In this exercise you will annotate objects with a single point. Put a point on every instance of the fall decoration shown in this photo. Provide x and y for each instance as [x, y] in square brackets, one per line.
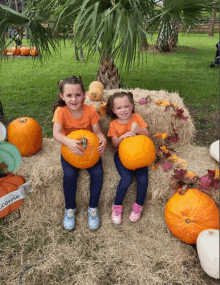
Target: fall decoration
[34, 51]
[214, 150]
[90, 143]
[95, 91]
[187, 214]
[15, 50]
[26, 134]
[100, 108]
[5, 51]
[145, 100]
[137, 152]
[207, 245]
[25, 50]
[8, 184]
[10, 155]
[2, 132]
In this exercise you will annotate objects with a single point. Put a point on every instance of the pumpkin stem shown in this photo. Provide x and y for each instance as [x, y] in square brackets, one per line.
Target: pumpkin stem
[84, 142]
[183, 190]
[22, 120]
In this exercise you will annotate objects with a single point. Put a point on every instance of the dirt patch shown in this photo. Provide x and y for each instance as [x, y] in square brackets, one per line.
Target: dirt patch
[179, 49]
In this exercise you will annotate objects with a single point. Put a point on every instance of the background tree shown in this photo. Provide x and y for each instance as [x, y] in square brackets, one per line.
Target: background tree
[212, 23]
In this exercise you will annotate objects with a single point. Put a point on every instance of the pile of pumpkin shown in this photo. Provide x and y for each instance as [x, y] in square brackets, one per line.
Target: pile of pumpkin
[192, 216]
[23, 50]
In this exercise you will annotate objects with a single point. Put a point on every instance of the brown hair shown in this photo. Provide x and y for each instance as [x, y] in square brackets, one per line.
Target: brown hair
[69, 80]
[110, 103]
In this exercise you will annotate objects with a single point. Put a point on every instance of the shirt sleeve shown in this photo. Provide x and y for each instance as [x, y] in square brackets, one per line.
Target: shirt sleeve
[141, 122]
[57, 117]
[112, 131]
[95, 118]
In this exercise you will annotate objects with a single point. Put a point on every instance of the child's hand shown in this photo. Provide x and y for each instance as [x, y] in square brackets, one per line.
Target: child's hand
[128, 134]
[74, 146]
[135, 128]
[102, 146]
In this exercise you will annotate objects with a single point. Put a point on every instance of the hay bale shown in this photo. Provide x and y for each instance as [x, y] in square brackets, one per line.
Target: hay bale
[155, 116]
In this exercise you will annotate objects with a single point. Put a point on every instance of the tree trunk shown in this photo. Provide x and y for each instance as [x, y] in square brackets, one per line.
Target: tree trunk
[162, 41]
[173, 40]
[108, 74]
[212, 24]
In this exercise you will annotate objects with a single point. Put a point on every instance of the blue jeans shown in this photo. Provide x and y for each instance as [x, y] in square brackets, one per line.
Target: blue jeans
[70, 175]
[126, 180]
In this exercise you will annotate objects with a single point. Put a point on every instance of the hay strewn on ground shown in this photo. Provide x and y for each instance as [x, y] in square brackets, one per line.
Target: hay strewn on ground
[141, 253]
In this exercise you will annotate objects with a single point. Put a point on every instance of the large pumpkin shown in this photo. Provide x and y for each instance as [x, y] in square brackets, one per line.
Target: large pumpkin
[95, 91]
[90, 143]
[8, 184]
[26, 134]
[137, 152]
[25, 50]
[188, 214]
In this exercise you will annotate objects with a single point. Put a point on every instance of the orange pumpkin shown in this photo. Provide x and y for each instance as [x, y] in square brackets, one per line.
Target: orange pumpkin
[5, 51]
[90, 143]
[9, 184]
[34, 51]
[137, 152]
[95, 91]
[25, 50]
[26, 134]
[15, 50]
[188, 214]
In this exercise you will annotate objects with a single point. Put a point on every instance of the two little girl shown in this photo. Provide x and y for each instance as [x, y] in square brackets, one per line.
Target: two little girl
[71, 114]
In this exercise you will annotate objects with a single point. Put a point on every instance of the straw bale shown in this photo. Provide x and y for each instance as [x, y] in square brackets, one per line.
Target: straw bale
[44, 168]
[158, 120]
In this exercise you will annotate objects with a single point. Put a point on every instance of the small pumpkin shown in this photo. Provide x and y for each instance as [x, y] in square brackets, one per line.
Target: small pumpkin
[15, 50]
[5, 51]
[187, 214]
[26, 134]
[95, 91]
[25, 50]
[207, 245]
[90, 143]
[137, 152]
[8, 184]
[34, 51]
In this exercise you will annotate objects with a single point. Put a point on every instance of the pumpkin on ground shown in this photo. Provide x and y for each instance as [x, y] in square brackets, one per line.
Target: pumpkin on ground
[207, 245]
[137, 152]
[15, 50]
[95, 91]
[90, 143]
[9, 184]
[34, 51]
[25, 50]
[26, 134]
[214, 150]
[188, 214]
[5, 51]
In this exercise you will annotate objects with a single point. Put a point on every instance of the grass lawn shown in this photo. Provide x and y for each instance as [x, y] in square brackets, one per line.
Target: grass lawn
[29, 88]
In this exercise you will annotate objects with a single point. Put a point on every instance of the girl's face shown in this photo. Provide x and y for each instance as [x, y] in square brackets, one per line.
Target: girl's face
[73, 96]
[123, 108]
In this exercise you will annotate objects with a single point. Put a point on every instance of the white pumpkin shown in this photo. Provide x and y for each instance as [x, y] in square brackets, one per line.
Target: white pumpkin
[214, 150]
[2, 132]
[207, 245]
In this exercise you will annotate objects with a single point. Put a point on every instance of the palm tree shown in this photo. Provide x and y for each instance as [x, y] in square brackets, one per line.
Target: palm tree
[113, 28]
[212, 23]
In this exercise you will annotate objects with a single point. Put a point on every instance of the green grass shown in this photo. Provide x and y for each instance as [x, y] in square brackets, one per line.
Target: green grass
[29, 88]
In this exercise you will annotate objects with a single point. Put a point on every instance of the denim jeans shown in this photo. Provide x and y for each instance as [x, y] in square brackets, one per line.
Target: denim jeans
[141, 175]
[70, 175]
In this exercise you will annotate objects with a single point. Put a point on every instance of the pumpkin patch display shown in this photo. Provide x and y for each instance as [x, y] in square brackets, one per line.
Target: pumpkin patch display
[34, 51]
[5, 51]
[26, 134]
[188, 214]
[15, 50]
[9, 184]
[25, 50]
[137, 152]
[207, 245]
[95, 91]
[90, 143]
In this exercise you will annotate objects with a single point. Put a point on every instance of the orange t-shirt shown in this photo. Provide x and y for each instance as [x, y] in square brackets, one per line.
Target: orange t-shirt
[117, 129]
[63, 116]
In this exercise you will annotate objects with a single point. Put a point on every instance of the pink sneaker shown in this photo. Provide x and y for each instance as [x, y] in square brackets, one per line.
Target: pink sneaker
[136, 213]
[116, 214]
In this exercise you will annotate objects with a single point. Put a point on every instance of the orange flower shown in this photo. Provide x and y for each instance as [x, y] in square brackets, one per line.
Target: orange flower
[217, 174]
[174, 105]
[154, 166]
[181, 163]
[163, 103]
[162, 136]
[190, 174]
[173, 158]
[164, 149]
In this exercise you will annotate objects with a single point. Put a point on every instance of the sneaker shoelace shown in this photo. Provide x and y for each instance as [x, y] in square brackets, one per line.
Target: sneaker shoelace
[117, 210]
[70, 214]
[137, 209]
[93, 212]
